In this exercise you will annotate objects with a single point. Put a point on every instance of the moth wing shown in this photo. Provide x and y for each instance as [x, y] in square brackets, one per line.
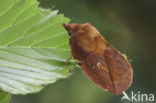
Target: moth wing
[107, 68]
[111, 72]
[120, 70]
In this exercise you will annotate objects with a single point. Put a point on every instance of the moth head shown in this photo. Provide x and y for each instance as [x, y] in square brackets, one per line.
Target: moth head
[67, 27]
[78, 28]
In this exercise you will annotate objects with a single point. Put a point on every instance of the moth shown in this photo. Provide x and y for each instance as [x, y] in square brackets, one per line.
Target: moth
[102, 63]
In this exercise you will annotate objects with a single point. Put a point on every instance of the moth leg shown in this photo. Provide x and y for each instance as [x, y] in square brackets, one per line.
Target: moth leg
[69, 58]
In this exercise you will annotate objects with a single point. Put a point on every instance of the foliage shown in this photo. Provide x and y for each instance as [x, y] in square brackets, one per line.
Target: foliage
[4, 97]
[33, 46]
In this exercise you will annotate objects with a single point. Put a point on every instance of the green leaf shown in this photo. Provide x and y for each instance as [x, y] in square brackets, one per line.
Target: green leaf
[4, 97]
[33, 47]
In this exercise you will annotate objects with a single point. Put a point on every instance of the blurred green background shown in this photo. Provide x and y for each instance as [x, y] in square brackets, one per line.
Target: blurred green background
[129, 25]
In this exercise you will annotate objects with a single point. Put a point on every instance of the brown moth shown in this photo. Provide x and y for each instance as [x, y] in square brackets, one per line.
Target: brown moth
[102, 63]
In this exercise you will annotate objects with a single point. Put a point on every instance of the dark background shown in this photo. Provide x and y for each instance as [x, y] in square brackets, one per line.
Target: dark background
[129, 25]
